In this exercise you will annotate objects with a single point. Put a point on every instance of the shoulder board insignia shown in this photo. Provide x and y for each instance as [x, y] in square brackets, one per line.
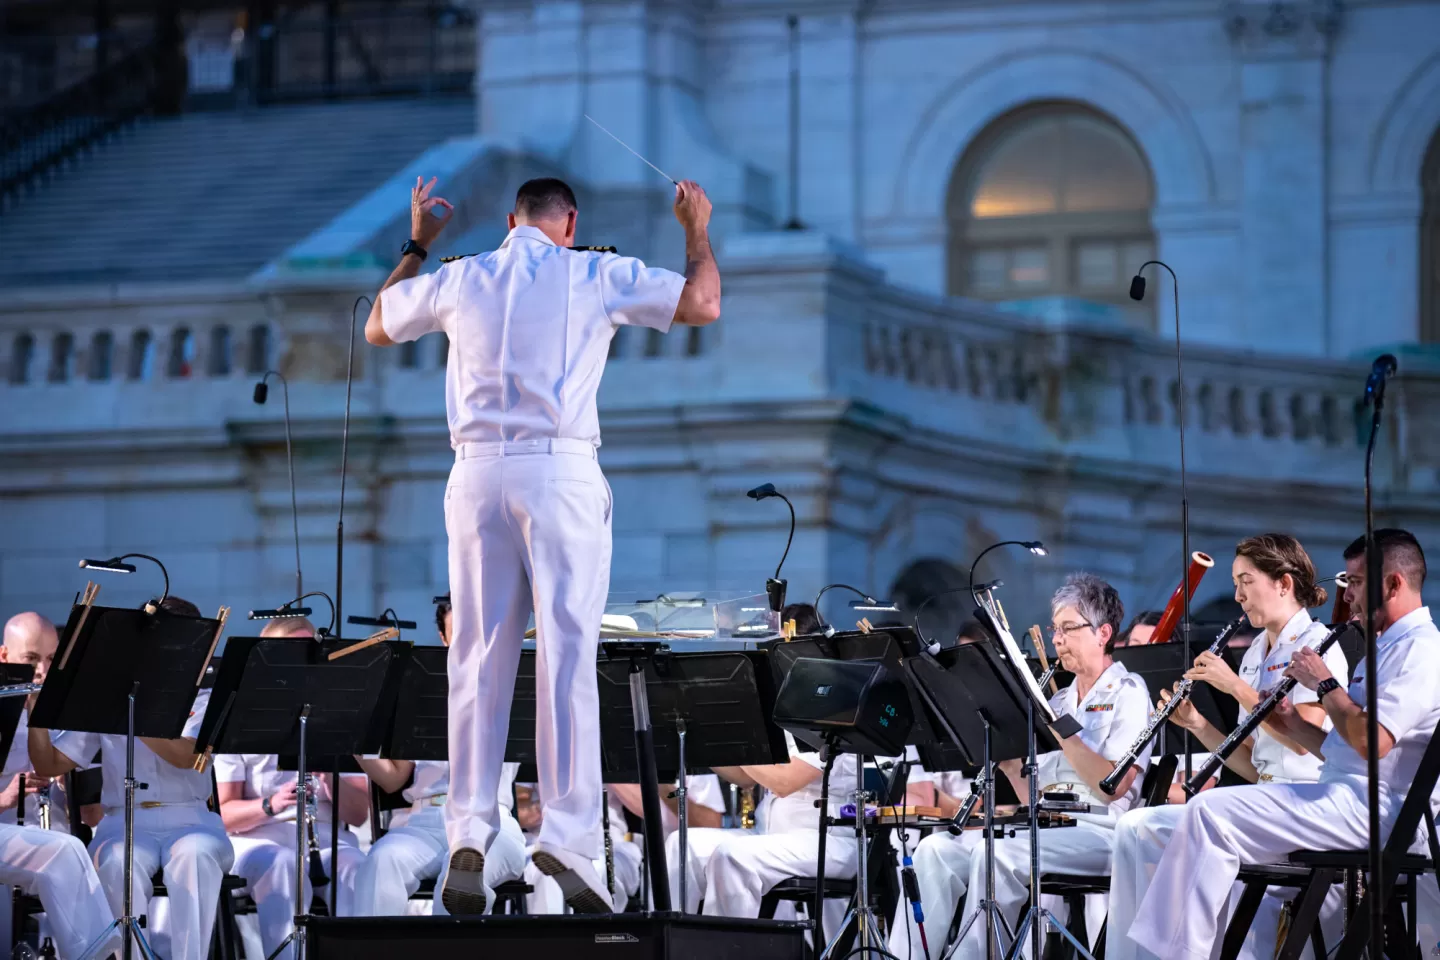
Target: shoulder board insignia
[458, 256]
[596, 249]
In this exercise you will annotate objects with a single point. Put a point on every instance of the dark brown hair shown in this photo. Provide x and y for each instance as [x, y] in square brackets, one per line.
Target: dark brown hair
[1400, 551]
[1278, 554]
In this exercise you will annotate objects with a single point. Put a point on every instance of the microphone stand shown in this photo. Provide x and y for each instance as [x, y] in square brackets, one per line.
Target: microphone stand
[1137, 292]
[1374, 598]
[261, 389]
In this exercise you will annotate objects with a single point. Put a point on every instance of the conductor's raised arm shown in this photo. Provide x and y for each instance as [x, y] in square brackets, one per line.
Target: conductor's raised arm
[700, 300]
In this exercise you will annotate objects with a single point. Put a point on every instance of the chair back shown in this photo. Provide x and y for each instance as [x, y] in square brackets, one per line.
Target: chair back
[1417, 800]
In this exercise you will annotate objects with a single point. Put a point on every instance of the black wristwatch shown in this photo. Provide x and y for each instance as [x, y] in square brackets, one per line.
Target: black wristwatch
[410, 246]
[265, 805]
[1326, 686]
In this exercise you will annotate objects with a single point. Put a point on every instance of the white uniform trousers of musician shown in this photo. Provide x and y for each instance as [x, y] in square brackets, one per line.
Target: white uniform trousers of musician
[265, 850]
[1112, 715]
[1181, 913]
[1141, 835]
[174, 832]
[415, 848]
[55, 867]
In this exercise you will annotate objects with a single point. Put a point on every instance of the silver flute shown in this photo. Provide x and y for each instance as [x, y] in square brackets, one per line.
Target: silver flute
[1252, 722]
[1180, 695]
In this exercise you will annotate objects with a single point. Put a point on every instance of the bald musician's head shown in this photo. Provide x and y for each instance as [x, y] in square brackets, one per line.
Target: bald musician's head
[30, 638]
[549, 206]
[288, 627]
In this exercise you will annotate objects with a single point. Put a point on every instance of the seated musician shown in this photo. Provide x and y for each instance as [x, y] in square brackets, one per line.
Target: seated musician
[1112, 706]
[415, 848]
[260, 806]
[48, 863]
[1180, 913]
[1141, 629]
[1274, 583]
[174, 831]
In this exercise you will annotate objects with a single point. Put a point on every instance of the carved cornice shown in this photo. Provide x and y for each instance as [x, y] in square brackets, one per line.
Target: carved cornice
[1271, 29]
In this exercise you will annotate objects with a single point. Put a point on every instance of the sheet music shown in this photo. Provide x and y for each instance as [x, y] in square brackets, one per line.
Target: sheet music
[1020, 668]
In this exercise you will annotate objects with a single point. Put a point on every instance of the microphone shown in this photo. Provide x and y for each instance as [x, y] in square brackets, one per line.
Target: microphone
[1137, 292]
[1384, 367]
[262, 393]
[775, 587]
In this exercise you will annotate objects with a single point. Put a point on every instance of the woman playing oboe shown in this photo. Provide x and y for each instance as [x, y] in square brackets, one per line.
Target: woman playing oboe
[1274, 584]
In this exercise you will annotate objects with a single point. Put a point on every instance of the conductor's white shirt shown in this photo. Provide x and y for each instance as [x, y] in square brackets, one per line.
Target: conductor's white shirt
[1112, 716]
[530, 326]
[1262, 669]
[162, 783]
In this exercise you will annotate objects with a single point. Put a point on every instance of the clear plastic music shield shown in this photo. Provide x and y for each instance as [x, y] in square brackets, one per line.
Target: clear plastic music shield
[689, 616]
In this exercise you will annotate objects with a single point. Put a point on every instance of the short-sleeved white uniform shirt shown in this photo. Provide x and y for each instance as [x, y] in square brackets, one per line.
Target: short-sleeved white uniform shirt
[1407, 682]
[1262, 669]
[1112, 716]
[163, 783]
[530, 326]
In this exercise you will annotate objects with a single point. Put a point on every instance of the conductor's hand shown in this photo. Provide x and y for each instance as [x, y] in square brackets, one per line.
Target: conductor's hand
[1211, 669]
[428, 215]
[692, 207]
[284, 798]
[1308, 668]
[1185, 716]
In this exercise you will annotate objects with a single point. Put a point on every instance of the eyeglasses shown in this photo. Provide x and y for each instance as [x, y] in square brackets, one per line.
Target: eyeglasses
[1066, 629]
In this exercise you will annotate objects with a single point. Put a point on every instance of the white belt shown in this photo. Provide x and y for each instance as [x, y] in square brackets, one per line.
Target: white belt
[516, 448]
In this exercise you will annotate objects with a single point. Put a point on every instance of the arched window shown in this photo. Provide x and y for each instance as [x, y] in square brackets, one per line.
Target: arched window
[1051, 200]
[62, 357]
[141, 356]
[257, 353]
[102, 345]
[181, 361]
[22, 353]
[1430, 244]
[218, 363]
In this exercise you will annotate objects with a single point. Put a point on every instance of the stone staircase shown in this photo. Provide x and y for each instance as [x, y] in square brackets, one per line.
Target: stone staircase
[213, 196]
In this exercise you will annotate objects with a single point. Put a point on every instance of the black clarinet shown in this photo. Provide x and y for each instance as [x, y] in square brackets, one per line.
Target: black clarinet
[1181, 694]
[1252, 722]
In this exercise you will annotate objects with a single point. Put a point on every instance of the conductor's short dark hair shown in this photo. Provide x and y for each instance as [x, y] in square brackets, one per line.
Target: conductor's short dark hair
[545, 198]
[442, 607]
[1400, 551]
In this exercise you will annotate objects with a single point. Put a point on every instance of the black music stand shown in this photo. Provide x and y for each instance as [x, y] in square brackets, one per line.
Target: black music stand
[126, 673]
[284, 696]
[975, 695]
[419, 728]
[15, 685]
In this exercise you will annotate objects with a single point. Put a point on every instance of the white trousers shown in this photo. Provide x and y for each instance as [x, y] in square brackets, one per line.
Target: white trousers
[189, 844]
[417, 850]
[702, 842]
[942, 872]
[1181, 913]
[1083, 848]
[265, 858]
[744, 867]
[56, 868]
[527, 533]
[1140, 840]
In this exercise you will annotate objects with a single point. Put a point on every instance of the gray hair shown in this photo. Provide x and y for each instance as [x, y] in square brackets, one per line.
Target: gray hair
[1097, 601]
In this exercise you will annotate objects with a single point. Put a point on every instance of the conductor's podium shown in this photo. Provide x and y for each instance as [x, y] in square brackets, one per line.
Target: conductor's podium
[618, 936]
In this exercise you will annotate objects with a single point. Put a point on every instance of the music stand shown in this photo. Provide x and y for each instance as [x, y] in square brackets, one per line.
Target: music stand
[419, 727]
[124, 672]
[283, 696]
[15, 686]
[979, 696]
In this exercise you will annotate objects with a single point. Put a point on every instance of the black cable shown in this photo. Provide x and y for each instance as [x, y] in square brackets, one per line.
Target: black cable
[318, 593]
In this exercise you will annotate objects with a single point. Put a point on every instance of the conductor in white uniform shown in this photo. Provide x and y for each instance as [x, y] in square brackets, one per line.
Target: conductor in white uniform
[527, 509]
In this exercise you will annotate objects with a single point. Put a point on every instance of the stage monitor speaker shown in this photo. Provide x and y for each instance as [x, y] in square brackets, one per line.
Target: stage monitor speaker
[619, 936]
[862, 706]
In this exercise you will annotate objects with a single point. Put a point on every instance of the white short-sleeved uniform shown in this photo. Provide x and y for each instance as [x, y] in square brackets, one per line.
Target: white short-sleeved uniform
[55, 867]
[1141, 835]
[265, 854]
[527, 509]
[1263, 823]
[174, 833]
[1111, 715]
